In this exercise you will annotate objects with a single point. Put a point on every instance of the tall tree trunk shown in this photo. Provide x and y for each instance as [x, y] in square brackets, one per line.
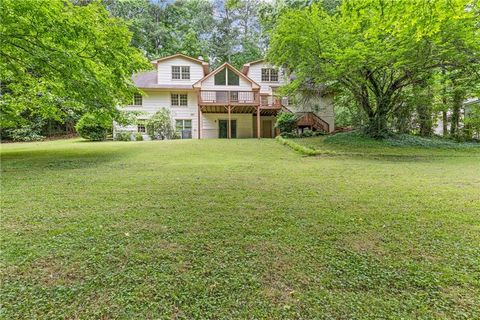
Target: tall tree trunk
[423, 105]
[445, 120]
[458, 97]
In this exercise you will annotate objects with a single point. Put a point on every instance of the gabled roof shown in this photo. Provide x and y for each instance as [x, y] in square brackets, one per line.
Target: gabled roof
[180, 55]
[246, 66]
[148, 80]
[227, 65]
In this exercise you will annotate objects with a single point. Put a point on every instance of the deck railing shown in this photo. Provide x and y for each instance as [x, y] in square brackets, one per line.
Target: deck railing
[272, 101]
[212, 97]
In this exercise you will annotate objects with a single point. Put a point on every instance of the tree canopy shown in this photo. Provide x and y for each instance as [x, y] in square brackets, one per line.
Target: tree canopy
[57, 57]
[377, 49]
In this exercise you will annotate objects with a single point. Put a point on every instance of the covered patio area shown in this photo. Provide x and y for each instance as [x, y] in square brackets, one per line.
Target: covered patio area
[234, 121]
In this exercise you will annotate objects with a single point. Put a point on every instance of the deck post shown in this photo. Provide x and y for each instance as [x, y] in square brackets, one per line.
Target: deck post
[229, 122]
[258, 122]
[199, 122]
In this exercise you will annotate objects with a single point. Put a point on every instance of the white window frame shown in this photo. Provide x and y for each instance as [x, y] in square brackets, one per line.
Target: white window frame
[183, 72]
[144, 127]
[137, 97]
[178, 99]
[183, 126]
[268, 72]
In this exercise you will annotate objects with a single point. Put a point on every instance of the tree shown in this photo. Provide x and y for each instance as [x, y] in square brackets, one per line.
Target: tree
[159, 126]
[376, 49]
[94, 126]
[56, 57]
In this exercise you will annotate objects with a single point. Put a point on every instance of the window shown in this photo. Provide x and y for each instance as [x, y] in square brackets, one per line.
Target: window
[179, 99]
[176, 72]
[137, 99]
[220, 79]
[264, 100]
[269, 75]
[186, 73]
[184, 128]
[233, 78]
[141, 128]
[225, 76]
[180, 72]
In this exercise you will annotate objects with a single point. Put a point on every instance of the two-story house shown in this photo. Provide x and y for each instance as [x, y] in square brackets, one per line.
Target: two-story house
[223, 103]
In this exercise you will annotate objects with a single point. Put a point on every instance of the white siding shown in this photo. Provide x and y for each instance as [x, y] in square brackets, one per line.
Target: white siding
[255, 73]
[210, 125]
[165, 71]
[322, 107]
[209, 84]
[155, 100]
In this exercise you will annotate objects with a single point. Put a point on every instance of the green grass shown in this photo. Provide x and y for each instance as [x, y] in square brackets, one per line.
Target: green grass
[353, 143]
[238, 229]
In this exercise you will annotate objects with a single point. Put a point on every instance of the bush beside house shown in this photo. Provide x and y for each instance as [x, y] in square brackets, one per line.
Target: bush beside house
[94, 127]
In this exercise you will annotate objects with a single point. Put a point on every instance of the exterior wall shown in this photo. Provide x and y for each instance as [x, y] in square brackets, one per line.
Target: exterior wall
[209, 84]
[210, 124]
[164, 70]
[154, 100]
[255, 73]
[322, 107]
[254, 125]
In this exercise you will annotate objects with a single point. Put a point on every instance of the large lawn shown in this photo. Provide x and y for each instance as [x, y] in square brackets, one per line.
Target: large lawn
[238, 229]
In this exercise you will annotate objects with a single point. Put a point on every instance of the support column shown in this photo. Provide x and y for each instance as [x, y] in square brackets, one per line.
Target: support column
[258, 122]
[199, 124]
[229, 124]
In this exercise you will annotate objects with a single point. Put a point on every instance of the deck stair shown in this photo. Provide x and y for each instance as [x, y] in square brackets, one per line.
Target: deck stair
[312, 121]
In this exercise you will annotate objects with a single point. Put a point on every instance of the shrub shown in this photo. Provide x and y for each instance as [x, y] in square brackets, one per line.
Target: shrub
[159, 126]
[123, 136]
[94, 127]
[25, 133]
[138, 136]
[289, 135]
[286, 122]
[304, 134]
[307, 133]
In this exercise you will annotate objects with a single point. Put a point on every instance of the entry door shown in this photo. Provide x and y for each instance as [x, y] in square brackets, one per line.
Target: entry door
[266, 128]
[223, 129]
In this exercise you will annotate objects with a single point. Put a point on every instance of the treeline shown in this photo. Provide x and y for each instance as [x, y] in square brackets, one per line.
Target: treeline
[395, 66]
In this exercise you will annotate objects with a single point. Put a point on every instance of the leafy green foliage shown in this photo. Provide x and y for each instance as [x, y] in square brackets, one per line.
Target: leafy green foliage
[25, 133]
[397, 140]
[472, 121]
[123, 136]
[375, 50]
[57, 57]
[138, 136]
[286, 122]
[159, 126]
[94, 126]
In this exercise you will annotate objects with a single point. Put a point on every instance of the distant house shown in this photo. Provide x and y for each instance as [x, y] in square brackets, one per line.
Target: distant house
[467, 107]
[223, 103]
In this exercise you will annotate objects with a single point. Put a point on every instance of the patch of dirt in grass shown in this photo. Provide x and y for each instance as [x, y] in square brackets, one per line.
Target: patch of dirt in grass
[47, 271]
[277, 262]
[365, 243]
[462, 297]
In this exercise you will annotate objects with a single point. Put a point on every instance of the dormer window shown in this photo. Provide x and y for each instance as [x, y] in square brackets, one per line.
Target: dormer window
[137, 99]
[269, 75]
[226, 76]
[180, 72]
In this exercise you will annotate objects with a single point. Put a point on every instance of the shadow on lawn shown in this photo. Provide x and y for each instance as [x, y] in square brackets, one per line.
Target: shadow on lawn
[381, 157]
[35, 160]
